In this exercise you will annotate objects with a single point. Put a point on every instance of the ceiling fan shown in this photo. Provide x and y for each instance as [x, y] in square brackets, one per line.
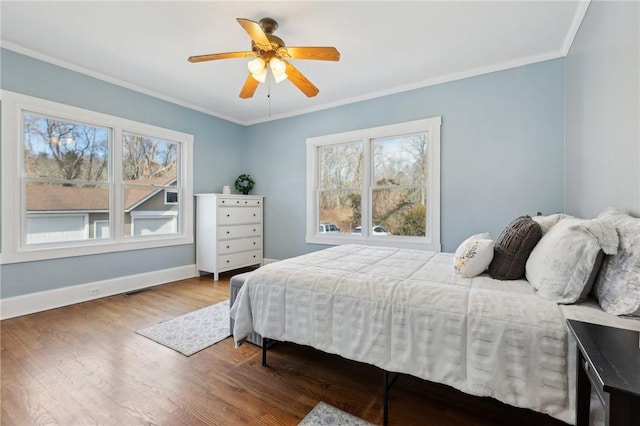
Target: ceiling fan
[268, 49]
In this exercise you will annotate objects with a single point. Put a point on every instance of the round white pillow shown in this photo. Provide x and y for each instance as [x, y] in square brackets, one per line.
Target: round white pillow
[473, 256]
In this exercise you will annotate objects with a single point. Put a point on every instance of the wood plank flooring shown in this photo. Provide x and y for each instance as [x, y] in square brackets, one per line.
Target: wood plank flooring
[84, 364]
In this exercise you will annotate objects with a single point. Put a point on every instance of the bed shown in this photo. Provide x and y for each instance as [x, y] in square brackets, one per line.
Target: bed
[404, 311]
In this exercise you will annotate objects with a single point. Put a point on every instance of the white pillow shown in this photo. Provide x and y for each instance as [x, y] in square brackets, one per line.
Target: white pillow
[473, 256]
[618, 284]
[561, 263]
[547, 222]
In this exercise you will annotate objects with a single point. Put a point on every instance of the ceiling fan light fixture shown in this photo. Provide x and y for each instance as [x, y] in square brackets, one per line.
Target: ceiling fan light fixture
[279, 78]
[256, 65]
[261, 75]
[278, 68]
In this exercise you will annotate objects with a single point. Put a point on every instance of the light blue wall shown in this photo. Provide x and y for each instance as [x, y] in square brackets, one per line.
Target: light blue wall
[502, 152]
[603, 111]
[218, 159]
[502, 156]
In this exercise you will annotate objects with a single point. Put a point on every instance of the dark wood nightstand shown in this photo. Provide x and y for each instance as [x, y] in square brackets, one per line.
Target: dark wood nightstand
[609, 359]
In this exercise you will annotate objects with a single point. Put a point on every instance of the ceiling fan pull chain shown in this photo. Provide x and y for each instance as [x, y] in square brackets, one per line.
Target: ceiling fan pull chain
[269, 95]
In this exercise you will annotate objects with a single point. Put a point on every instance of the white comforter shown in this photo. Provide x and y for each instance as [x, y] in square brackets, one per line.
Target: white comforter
[405, 311]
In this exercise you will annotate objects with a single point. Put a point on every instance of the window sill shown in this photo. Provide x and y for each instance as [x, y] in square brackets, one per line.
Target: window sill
[84, 249]
[415, 243]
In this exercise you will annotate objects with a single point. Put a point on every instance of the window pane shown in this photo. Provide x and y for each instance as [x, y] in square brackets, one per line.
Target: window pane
[147, 213]
[148, 160]
[340, 166]
[340, 211]
[149, 167]
[65, 212]
[400, 160]
[58, 149]
[400, 211]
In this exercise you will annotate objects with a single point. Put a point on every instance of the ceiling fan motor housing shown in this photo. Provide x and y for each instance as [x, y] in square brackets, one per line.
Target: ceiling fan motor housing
[276, 43]
[269, 25]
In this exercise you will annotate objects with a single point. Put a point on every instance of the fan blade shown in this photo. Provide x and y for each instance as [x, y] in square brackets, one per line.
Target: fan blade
[215, 56]
[255, 32]
[315, 53]
[300, 81]
[249, 88]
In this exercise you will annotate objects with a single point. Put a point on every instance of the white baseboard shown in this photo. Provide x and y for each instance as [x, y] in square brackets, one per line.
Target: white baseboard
[268, 261]
[51, 299]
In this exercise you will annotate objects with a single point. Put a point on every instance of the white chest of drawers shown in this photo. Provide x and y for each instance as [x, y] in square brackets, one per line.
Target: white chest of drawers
[228, 232]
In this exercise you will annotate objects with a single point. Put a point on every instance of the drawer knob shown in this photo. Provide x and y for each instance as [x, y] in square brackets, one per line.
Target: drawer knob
[227, 246]
[228, 232]
[228, 215]
[254, 243]
[254, 215]
[227, 261]
[254, 229]
[245, 202]
[238, 202]
[254, 256]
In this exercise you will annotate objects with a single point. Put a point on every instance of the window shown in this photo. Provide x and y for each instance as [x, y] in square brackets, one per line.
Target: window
[101, 229]
[170, 196]
[89, 183]
[379, 186]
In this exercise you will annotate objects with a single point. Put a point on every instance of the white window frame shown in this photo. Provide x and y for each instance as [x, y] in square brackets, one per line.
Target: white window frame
[432, 239]
[14, 248]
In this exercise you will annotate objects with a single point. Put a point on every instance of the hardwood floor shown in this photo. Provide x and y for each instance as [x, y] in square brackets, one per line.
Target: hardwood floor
[84, 364]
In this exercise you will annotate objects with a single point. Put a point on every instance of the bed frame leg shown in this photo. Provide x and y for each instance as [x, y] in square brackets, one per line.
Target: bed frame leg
[265, 342]
[385, 398]
[385, 395]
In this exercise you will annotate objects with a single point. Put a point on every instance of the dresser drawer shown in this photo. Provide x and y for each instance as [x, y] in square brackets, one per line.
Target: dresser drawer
[237, 215]
[242, 244]
[240, 259]
[239, 231]
[253, 202]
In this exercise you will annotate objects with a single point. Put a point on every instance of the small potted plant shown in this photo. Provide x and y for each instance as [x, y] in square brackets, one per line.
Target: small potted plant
[244, 183]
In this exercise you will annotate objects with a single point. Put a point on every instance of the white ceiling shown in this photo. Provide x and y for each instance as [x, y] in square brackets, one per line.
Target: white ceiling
[385, 46]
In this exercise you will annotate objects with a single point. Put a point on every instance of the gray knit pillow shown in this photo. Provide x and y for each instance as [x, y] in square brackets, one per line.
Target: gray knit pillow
[618, 284]
[513, 247]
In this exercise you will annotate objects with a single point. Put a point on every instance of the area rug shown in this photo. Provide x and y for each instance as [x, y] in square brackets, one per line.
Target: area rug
[192, 332]
[325, 414]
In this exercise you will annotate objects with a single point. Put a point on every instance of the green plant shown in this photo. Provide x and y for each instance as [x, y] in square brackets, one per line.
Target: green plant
[244, 183]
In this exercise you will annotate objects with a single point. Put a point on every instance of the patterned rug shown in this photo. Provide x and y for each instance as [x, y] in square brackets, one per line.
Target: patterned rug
[325, 414]
[194, 331]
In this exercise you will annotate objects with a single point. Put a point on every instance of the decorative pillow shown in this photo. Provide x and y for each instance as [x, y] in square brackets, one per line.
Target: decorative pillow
[512, 248]
[547, 222]
[473, 256]
[617, 286]
[561, 264]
